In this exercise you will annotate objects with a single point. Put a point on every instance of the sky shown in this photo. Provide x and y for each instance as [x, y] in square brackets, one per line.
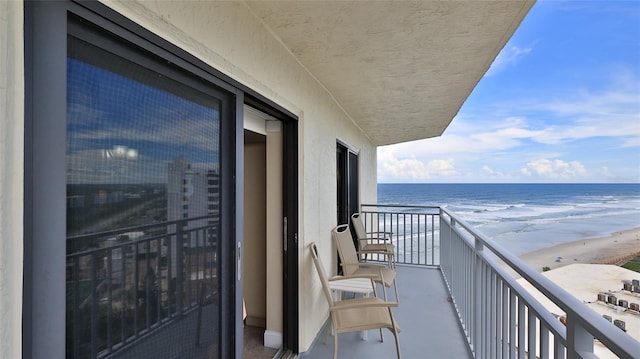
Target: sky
[123, 130]
[560, 104]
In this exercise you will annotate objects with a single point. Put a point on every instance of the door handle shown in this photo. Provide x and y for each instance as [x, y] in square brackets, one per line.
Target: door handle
[239, 254]
[284, 235]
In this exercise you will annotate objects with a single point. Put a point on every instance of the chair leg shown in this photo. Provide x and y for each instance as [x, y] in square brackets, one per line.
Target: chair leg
[327, 331]
[384, 291]
[335, 346]
[395, 286]
[381, 336]
[394, 330]
[395, 334]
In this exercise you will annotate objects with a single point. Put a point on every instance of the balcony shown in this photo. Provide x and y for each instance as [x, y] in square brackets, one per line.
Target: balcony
[459, 298]
[155, 286]
[427, 320]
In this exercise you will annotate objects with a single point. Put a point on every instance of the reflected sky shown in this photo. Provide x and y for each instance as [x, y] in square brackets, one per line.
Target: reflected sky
[120, 130]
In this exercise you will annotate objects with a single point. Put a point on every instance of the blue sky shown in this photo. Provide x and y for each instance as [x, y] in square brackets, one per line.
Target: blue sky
[561, 103]
[121, 130]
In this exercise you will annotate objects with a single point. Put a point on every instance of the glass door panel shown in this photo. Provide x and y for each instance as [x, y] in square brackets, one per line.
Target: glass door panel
[143, 209]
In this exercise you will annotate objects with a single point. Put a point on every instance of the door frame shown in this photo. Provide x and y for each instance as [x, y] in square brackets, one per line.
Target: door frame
[347, 187]
[290, 300]
[348, 182]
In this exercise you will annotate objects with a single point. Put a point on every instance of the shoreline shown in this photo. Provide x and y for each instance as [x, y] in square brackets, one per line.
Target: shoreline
[618, 247]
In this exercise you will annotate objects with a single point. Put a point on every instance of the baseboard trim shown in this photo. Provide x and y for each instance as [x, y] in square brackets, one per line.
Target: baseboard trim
[272, 339]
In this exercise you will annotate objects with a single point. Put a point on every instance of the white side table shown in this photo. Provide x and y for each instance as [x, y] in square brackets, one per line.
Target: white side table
[352, 285]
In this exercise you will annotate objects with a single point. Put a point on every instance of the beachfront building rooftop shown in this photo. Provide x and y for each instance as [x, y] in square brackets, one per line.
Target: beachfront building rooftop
[231, 135]
[608, 290]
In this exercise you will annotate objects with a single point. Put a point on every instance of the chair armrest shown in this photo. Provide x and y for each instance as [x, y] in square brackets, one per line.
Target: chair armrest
[375, 239]
[353, 276]
[369, 277]
[355, 303]
[372, 265]
[346, 265]
[357, 264]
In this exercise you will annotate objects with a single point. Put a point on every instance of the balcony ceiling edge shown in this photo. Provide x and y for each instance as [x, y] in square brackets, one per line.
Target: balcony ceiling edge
[401, 70]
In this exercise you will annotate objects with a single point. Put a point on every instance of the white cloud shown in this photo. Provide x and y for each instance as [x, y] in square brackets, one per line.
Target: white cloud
[488, 170]
[505, 135]
[630, 142]
[556, 169]
[607, 114]
[392, 169]
[525, 172]
[117, 165]
[442, 167]
[509, 56]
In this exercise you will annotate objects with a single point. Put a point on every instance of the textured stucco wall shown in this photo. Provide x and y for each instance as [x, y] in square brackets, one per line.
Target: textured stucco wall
[11, 177]
[228, 36]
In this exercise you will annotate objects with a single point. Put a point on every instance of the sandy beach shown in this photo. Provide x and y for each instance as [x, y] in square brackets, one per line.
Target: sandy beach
[619, 247]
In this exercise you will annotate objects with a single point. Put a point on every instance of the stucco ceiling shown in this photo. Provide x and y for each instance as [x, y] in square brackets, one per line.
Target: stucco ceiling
[401, 70]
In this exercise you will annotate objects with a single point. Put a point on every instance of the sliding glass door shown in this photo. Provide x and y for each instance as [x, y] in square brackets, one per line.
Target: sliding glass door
[143, 208]
[130, 247]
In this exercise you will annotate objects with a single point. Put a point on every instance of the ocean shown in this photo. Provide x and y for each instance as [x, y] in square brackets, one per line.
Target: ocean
[527, 217]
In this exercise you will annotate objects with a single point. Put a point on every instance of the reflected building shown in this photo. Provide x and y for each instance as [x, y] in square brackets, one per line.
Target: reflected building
[192, 192]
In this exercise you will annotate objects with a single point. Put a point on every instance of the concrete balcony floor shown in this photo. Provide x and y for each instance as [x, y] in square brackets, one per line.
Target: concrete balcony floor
[428, 322]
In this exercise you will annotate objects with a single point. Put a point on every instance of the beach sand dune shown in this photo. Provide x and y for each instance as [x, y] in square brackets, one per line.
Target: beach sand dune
[615, 249]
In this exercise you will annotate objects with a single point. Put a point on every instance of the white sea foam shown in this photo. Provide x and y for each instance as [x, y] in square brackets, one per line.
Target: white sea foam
[529, 217]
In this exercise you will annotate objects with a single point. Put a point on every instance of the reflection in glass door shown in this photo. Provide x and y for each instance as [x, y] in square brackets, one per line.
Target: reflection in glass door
[143, 209]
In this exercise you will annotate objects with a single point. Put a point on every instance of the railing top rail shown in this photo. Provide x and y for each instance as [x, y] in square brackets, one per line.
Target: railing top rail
[136, 228]
[129, 243]
[398, 206]
[589, 319]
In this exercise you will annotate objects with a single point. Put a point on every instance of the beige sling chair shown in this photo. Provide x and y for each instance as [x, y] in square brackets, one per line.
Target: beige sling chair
[369, 244]
[351, 266]
[353, 315]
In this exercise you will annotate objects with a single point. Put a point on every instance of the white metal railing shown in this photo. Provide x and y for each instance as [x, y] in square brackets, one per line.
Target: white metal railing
[121, 288]
[414, 231]
[503, 320]
[499, 317]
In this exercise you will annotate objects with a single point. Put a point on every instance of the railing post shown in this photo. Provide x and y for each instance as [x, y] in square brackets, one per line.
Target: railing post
[446, 246]
[179, 270]
[478, 293]
[94, 305]
[579, 340]
[450, 244]
[109, 297]
[445, 237]
[76, 306]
